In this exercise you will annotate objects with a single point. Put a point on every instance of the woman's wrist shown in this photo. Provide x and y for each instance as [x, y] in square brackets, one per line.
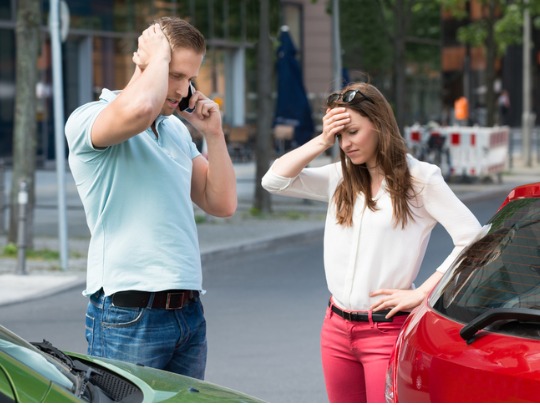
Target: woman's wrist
[323, 142]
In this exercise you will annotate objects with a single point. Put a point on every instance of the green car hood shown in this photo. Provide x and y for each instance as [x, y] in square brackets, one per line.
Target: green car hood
[163, 386]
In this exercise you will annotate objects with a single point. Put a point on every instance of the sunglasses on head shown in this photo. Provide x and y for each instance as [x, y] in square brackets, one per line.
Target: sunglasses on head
[347, 97]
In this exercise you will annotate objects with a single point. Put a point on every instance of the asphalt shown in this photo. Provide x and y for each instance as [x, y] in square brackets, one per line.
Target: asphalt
[290, 220]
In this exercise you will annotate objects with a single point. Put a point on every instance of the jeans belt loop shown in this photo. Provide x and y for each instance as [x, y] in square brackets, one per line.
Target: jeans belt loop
[150, 300]
[370, 317]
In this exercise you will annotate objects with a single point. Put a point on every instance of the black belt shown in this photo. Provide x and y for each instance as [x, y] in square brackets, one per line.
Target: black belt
[170, 299]
[379, 316]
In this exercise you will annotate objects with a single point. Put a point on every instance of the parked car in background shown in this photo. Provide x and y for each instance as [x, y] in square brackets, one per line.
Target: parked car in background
[476, 338]
[39, 372]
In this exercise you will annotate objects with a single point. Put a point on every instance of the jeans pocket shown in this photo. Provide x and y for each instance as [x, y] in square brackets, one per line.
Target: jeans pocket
[390, 327]
[89, 331]
[120, 317]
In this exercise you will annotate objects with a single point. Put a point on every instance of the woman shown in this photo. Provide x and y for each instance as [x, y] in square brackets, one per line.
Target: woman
[383, 204]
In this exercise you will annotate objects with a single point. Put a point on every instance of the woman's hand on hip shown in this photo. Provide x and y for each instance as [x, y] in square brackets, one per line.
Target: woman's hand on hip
[397, 300]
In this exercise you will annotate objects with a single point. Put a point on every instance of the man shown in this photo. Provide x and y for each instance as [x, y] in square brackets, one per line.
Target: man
[138, 174]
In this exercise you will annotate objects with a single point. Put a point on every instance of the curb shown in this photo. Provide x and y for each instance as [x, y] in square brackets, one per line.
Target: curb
[263, 243]
[79, 280]
[35, 289]
[219, 253]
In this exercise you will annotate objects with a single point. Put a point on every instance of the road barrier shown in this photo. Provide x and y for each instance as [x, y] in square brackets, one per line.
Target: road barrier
[472, 152]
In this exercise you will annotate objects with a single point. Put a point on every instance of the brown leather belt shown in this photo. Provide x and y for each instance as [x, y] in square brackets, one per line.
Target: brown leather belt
[170, 299]
[379, 316]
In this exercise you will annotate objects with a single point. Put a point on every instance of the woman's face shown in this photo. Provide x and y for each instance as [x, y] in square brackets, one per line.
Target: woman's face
[359, 140]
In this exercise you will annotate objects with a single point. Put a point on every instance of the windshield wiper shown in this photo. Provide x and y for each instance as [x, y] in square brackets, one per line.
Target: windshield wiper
[83, 372]
[491, 316]
[48, 348]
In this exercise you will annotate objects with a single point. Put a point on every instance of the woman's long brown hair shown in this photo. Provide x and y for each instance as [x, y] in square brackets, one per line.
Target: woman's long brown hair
[391, 155]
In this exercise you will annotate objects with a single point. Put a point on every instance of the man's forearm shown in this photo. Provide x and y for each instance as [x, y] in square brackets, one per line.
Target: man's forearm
[220, 190]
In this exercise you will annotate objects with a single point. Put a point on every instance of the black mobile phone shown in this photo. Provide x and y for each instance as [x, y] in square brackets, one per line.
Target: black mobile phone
[184, 103]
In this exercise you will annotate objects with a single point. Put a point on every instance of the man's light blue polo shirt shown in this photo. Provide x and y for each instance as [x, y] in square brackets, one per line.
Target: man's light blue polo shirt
[136, 196]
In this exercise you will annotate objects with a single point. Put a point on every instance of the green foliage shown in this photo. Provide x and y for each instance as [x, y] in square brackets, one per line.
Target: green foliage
[255, 212]
[10, 250]
[226, 19]
[508, 22]
[200, 219]
[423, 48]
[364, 37]
[508, 30]
[474, 34]
[294, 215]
[458, 8]
[367, 31]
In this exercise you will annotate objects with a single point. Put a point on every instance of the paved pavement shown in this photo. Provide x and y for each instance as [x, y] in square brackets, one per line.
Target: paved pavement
[290, 220]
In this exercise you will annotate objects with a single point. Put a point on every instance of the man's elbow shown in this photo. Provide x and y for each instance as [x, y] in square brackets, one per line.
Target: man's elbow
[229, 210]
[225, 209]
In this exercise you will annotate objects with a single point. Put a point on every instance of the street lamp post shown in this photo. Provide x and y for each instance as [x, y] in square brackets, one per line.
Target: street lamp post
[58, 99]
[528, 117]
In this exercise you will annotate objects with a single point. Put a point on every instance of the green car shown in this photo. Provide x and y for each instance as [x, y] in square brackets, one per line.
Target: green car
[39, 372]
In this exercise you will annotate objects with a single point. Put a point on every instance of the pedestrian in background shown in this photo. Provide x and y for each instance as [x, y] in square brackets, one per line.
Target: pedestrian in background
[461, 110]
[504, 107]
[138, 174]
[382, 207]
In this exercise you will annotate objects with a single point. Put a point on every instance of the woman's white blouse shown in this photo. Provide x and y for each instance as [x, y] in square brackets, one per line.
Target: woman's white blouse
[372, 253]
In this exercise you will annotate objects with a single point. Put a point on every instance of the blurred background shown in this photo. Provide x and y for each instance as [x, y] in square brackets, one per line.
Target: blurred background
[270, 64]
[424, 55]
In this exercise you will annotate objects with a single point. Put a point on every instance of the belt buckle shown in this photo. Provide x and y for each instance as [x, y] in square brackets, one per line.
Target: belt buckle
[348, 316]
[168, 302]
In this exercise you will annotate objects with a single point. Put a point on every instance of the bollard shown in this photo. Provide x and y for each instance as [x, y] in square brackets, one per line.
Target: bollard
[2, 196]
[21, 230]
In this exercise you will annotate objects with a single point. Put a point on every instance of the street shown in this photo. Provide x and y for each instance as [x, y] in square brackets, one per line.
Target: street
[264, 310]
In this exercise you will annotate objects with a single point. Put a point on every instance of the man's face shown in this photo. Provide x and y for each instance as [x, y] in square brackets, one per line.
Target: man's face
[184, 67]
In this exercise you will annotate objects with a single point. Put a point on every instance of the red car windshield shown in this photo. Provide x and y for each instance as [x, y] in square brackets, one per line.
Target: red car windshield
[499, 271]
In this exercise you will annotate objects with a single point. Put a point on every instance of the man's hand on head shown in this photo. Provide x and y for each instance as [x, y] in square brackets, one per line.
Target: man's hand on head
[152, 45]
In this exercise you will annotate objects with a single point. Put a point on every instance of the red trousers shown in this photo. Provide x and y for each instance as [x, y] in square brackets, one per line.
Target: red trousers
[355, 357]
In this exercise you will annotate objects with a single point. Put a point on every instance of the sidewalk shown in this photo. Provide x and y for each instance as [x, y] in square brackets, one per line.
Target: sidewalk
[219, 238]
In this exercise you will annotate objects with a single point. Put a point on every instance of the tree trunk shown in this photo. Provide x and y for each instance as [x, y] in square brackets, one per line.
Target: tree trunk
[24, 133]
[264, 146]
[401, 16]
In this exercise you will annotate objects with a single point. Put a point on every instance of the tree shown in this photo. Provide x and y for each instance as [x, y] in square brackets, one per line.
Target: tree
[248, 21]
[264, 147]
[387, 37]
[499, 26]
[401, 8]
[24, 134]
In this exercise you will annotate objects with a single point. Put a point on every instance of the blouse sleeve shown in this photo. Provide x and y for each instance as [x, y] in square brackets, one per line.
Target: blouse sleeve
[447, 209]
[314, 183]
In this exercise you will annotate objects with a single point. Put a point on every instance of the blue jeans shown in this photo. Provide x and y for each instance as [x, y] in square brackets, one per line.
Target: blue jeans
[172, 340]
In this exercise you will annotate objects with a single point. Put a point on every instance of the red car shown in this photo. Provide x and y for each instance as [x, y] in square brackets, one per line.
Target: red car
[476, 338]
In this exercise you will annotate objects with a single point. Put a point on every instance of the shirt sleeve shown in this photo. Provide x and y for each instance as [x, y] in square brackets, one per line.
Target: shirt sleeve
[314, 183]
[447, 209]
[78, 130]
